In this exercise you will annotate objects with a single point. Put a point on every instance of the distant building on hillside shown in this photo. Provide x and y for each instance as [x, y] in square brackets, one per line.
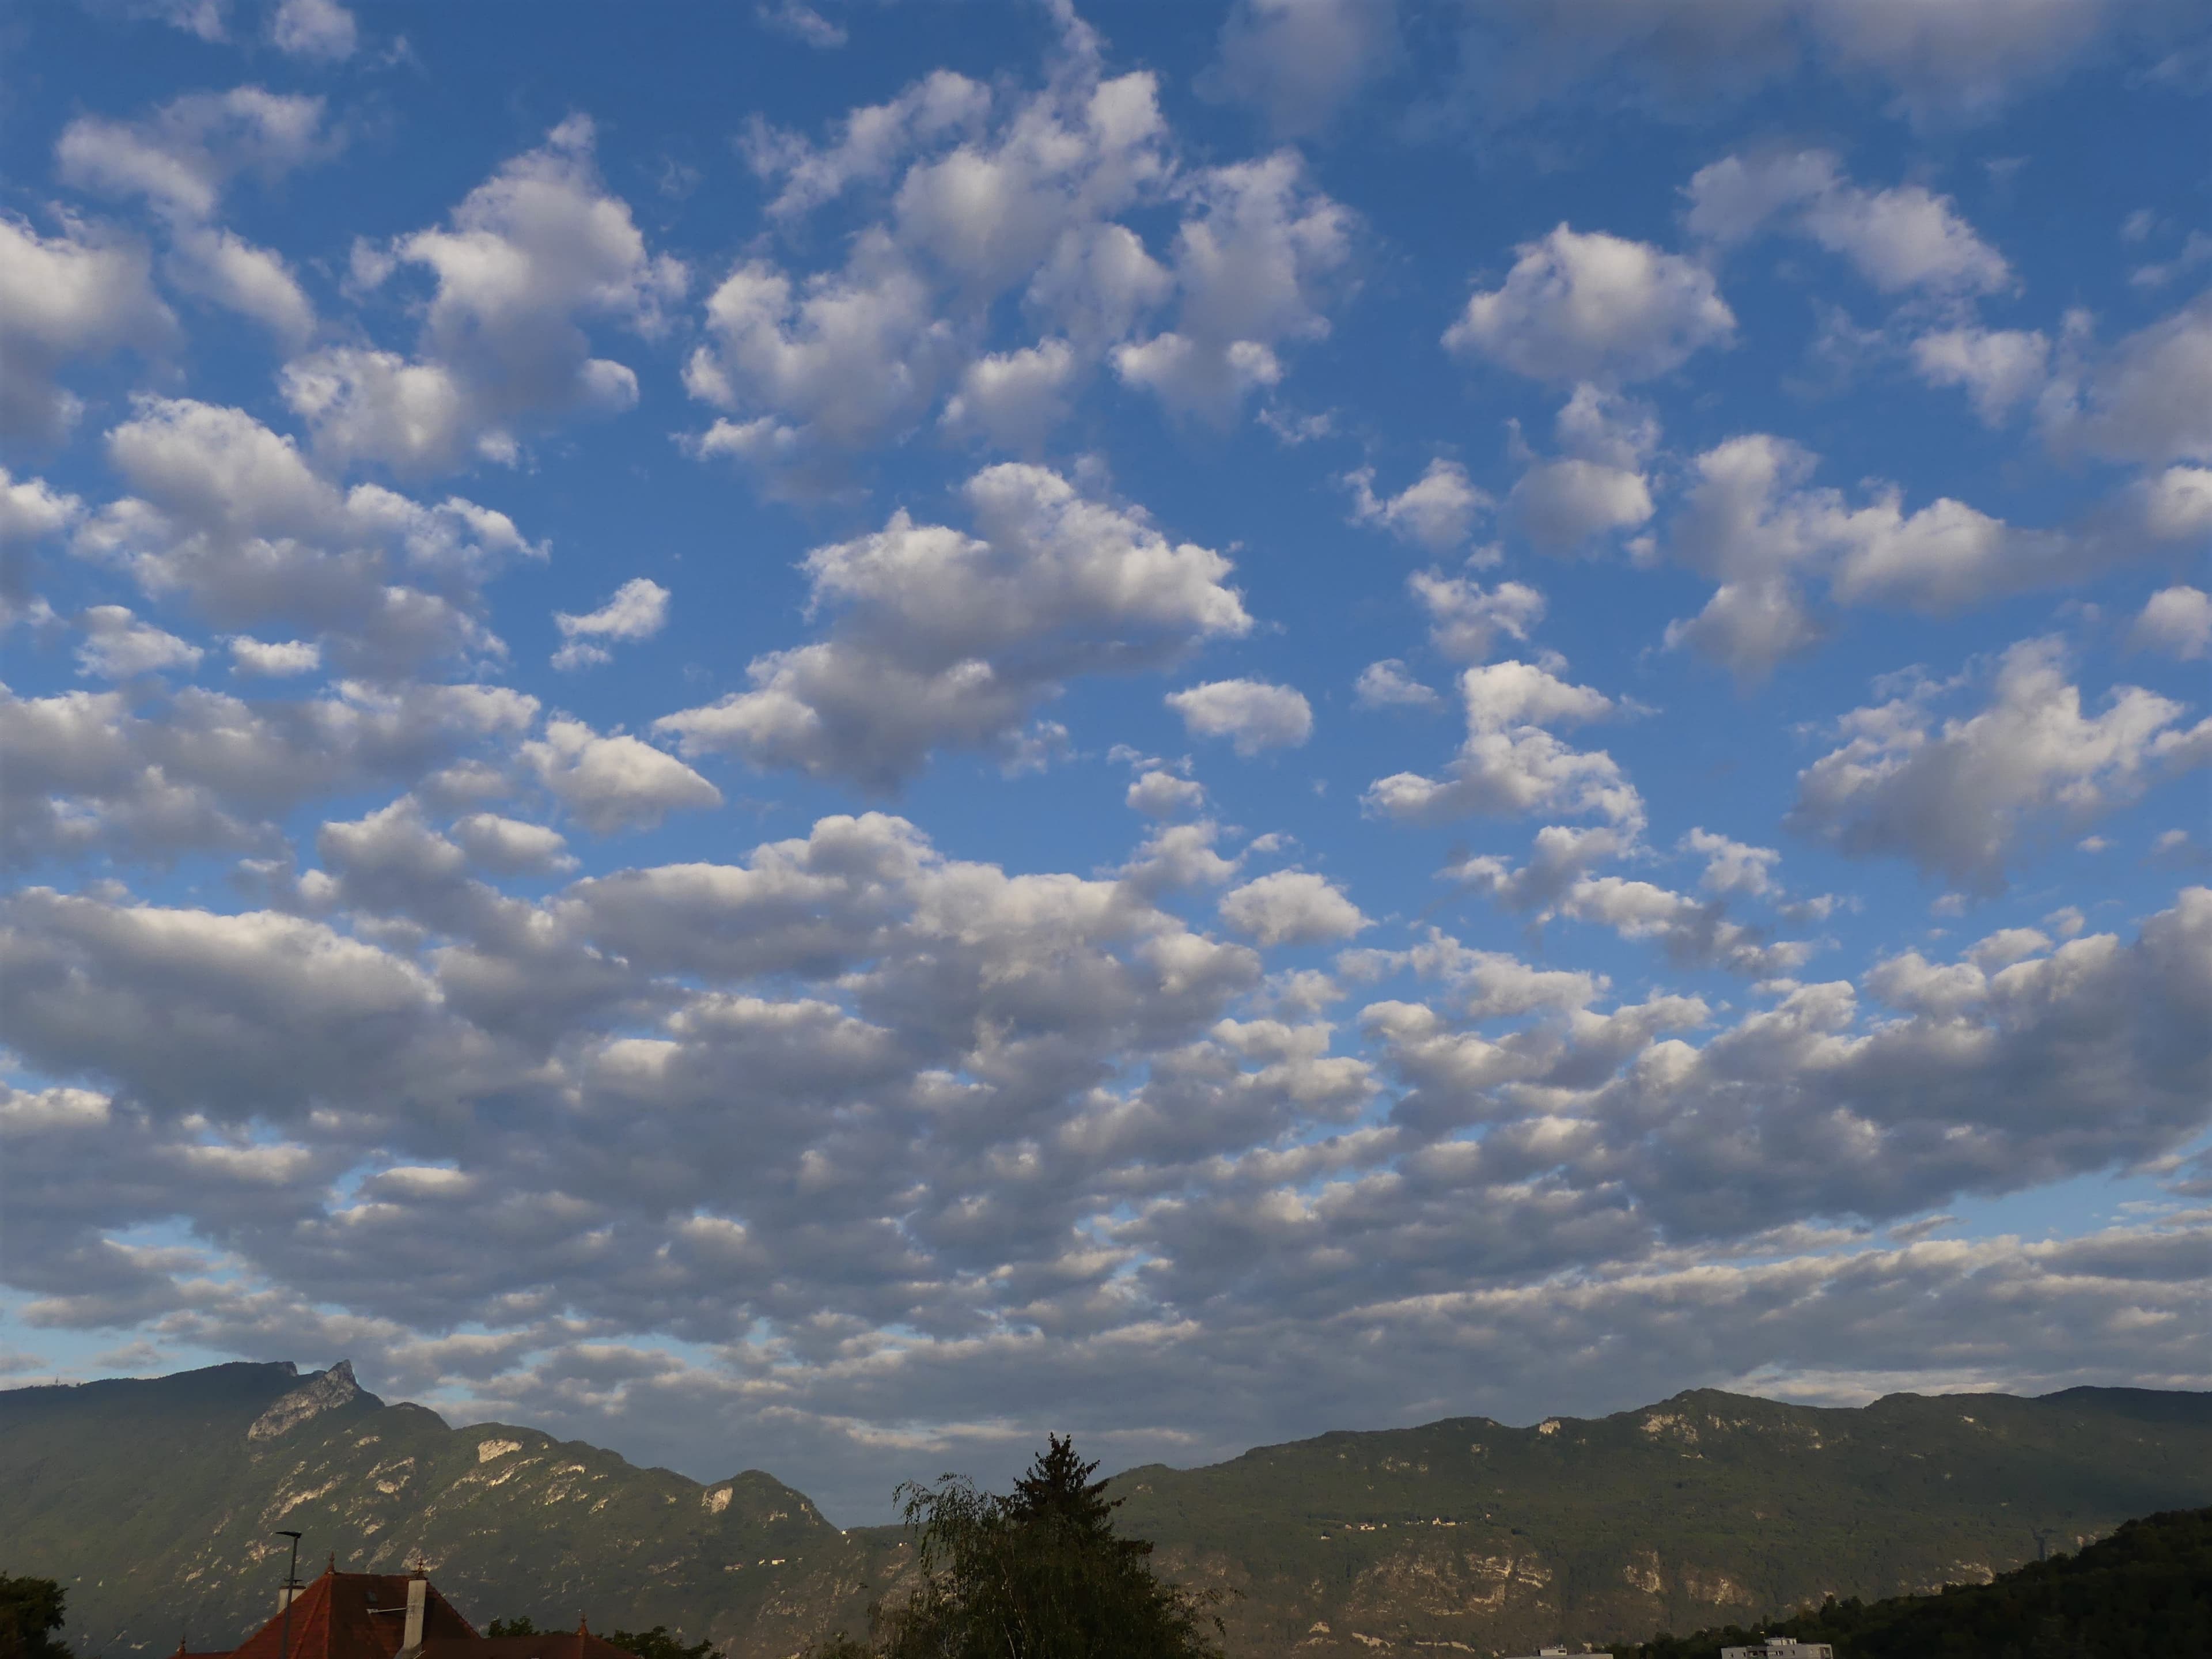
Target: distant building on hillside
[1556, 1653]
[1781, 1647]
[393, 1615]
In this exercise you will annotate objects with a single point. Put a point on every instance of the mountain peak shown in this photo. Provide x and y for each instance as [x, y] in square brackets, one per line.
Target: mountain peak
[324, 1391]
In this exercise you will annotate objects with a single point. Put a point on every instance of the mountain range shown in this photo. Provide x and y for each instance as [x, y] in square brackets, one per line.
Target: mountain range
[155, 1503]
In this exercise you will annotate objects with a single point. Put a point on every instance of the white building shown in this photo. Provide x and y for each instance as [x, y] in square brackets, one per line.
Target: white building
[1781, 1647]
[1566, 1653]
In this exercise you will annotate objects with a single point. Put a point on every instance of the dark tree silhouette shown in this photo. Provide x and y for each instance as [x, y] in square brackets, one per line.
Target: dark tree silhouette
[1039, 1573]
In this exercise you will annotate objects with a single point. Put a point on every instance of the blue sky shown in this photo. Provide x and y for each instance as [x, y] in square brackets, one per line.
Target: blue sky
[811, 737]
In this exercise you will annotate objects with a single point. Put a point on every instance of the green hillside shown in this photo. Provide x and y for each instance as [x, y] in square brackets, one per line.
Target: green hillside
[152, 1503]
[1671, 1516]
[2146, 1589]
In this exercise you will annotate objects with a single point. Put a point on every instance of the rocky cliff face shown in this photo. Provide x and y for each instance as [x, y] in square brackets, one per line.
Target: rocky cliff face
[155, 1502]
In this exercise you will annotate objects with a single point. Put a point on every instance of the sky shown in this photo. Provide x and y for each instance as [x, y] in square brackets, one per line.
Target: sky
[814, 736]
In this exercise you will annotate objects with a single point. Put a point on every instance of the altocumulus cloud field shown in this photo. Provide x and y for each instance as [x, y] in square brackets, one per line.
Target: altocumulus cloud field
[813, 736]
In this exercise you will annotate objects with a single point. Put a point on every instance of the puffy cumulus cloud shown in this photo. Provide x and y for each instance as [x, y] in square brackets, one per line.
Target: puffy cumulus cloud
[941, 639]
[974, 198]
[274, 659]
[1254, 714]
[1731, 866]
[615, 783]
[1589, 306]
[183, 157]
[1999, 368]
[229, 516]
[1510, 762]
[1253, 267]
[321, 31]
[1436, 510]
[2176, 621]
[636, 611]
[983, 198]
[1387, 685]
[1751, 521]
[1596, 484]
[1959, 798]
[2145, 400]
[501, 353]
[30, 511]
[1899, 238]
[118, 647]
[180, 160]
[1941, 59]
[1292, 906]
[77, 294]
[1299, 62]
[147, 772]
[1161, 794]
[1466, 619]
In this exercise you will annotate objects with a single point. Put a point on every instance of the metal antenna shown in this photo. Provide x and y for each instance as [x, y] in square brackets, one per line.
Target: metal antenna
[291, 1585]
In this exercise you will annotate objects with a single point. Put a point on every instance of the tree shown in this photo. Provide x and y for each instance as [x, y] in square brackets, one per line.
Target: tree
[1039, 1573]
[522, 1626]
[659, 1644]
[29, 1609]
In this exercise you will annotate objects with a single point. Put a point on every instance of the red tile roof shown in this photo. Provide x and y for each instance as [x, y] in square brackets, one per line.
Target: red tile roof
[356, 1615]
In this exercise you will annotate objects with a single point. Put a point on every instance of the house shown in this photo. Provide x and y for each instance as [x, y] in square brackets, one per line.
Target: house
[393, 1615]
[1781, 1647]
[1571, 1653]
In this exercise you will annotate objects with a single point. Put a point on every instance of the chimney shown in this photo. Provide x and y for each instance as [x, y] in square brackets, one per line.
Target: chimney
[418, 1604]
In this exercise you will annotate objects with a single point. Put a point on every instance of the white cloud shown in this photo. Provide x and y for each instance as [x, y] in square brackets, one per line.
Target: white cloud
[1905, 237]
[1253, 269]
[1292, 906]
[1959, 799]
[152, 776]
[181, 159]
[275, 659]
[229, 515]
[1597, 485]
[613, 783]
[1159, 794]
[1254, 713]
[2176, 621]
[72, 295]
[637, 611]
[801, 23]
[2148, 398]
[1386, 684]
[2000, 368]
[511, 846]
[940, 639]
[319, 29]
[1509, 763]
[526, 255]
[31, 510]
[118, 647]
[1436, 510]
[1301, 61]
[1466, 618]
[1585, 306]
[1750, 522]
[1730, 865]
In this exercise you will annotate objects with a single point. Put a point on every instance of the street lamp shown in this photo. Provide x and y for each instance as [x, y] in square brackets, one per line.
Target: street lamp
[291, 1583]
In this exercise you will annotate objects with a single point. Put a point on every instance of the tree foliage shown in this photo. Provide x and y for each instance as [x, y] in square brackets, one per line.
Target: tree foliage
[1037, 1573]
[2146, 1589]
[30, 1610]
[658, 1643]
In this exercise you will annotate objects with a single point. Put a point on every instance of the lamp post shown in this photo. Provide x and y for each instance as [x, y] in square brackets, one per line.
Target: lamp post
[291, 1583]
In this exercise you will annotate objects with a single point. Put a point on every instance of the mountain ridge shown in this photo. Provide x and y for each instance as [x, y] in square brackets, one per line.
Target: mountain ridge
[152, 1499]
